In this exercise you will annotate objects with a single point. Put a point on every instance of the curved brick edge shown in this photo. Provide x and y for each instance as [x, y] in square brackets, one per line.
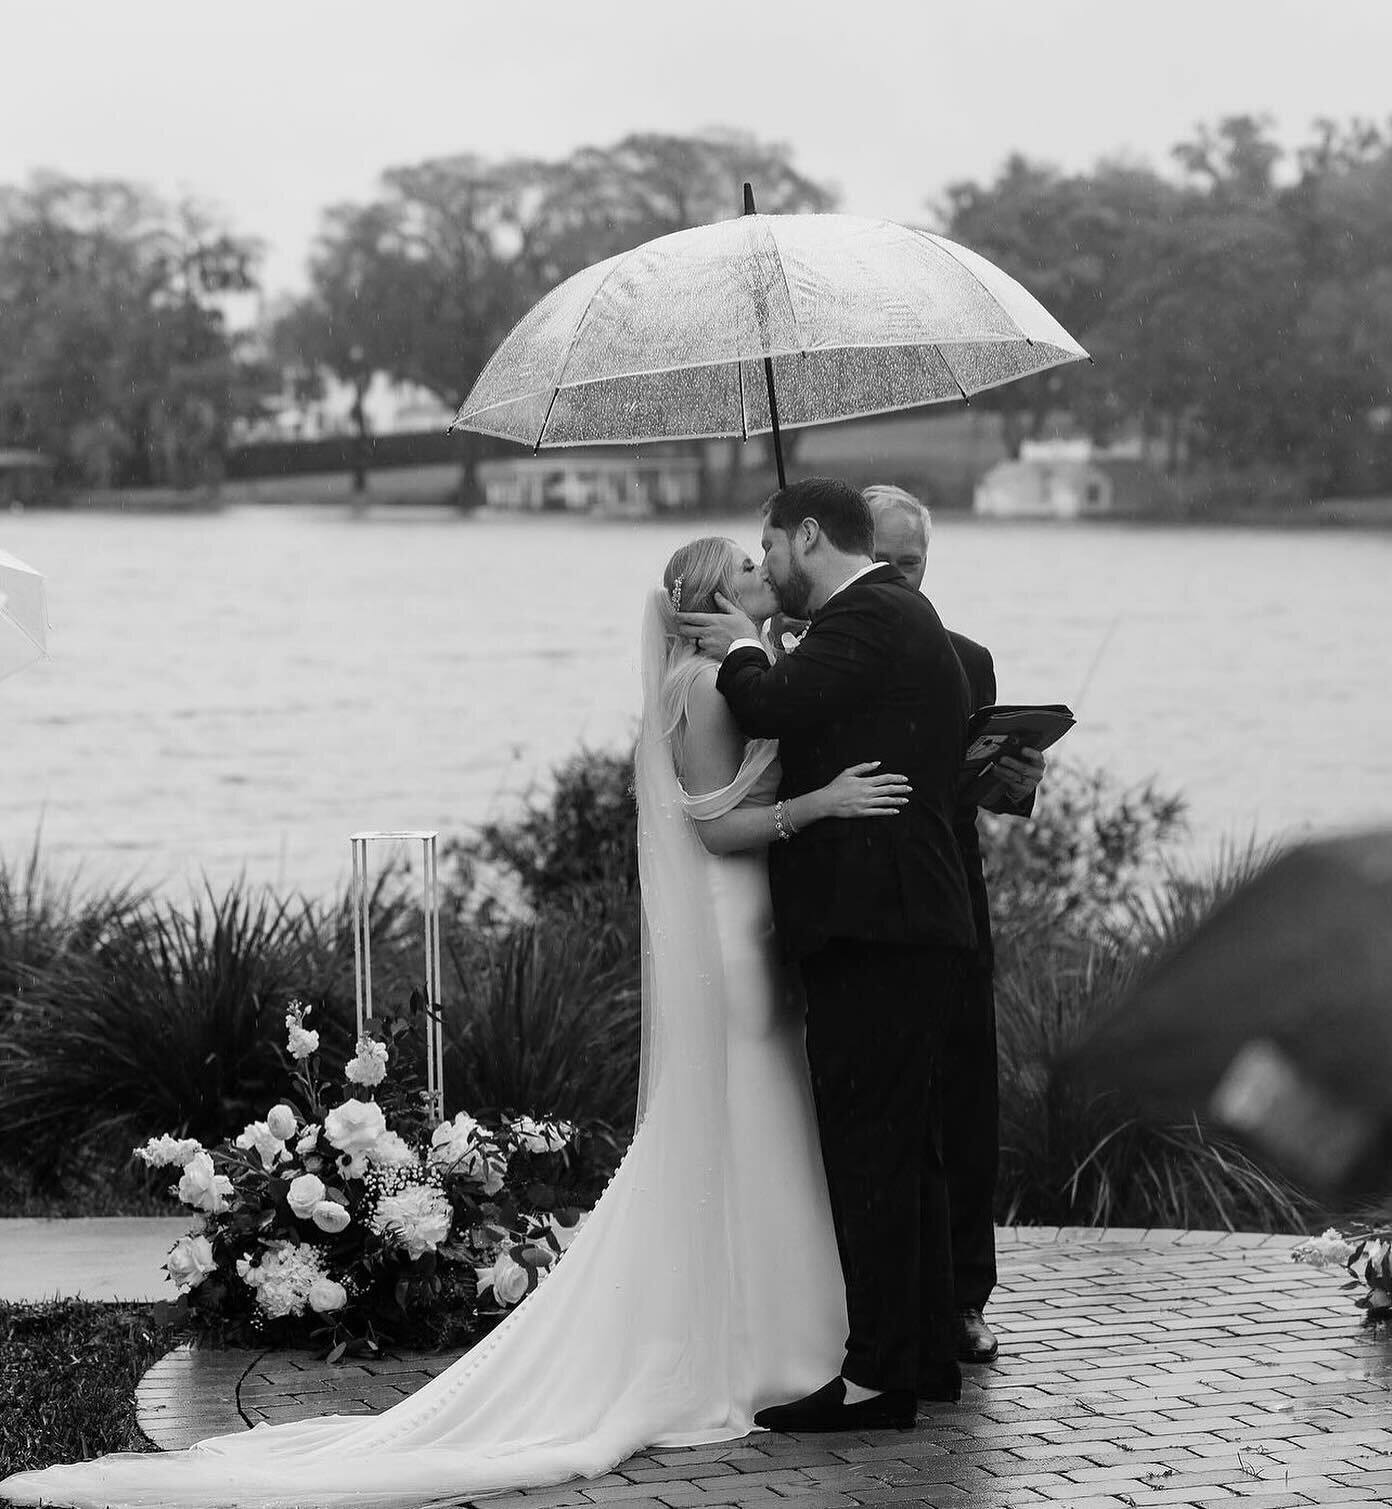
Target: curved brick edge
[191, 1393]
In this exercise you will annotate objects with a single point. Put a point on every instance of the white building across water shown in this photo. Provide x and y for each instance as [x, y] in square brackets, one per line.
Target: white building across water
[1072, 479]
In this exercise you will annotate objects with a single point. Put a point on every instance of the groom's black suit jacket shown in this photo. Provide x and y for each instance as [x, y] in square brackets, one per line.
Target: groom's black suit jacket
[875, 678]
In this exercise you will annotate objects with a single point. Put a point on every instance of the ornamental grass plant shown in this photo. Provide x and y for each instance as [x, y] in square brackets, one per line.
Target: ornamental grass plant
[165, 1017]
[1073, 1155]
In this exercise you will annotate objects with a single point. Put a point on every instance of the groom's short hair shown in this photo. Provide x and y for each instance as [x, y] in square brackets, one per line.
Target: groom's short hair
[842, 512]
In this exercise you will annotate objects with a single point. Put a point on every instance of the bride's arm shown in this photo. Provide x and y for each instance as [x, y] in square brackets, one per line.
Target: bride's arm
[713, 750]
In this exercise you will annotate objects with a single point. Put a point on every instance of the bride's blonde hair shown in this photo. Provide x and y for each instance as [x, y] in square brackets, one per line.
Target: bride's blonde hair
[703, 567]
[693, 576]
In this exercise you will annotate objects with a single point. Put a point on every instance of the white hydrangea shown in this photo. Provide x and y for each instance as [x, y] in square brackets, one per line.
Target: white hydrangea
[284, 1277]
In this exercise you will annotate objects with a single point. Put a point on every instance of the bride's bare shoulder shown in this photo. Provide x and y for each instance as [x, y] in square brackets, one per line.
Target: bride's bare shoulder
[711, 744]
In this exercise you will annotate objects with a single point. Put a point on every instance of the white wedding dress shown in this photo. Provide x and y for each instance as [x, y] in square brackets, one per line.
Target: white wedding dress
[705, 1284]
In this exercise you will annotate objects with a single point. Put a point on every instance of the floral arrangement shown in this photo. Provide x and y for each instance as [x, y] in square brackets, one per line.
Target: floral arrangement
[352, 1214]
[1366, 1252]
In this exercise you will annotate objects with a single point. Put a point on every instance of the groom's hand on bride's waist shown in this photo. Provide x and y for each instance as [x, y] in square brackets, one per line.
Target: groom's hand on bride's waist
[713, 634]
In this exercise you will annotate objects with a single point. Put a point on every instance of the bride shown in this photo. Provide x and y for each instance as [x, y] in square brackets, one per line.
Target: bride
[705, 1284]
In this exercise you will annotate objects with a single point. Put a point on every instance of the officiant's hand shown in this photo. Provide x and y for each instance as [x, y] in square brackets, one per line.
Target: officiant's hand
[714, 633]
[1020, 774]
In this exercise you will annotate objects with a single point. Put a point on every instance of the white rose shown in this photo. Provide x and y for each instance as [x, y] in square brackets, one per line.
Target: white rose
[281, 1121]
[304, 1194]
[309, 1139]
[190, 1261]
[167, 1151]
[302, 1041]
[354, 1126]
[258, 1135]
[330, 1216]
[204, 1188]
[451, 1140]
[510, 1280]
[326, 1295]
[368, 1066]
[416, 1218]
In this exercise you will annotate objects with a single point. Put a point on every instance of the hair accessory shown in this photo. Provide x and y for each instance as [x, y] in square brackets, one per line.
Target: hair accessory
[676, 595]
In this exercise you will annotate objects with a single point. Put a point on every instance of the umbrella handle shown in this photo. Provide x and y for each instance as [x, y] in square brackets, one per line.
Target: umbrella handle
[768, 372]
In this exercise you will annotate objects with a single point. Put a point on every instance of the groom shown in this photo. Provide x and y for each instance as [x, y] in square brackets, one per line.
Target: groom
[878, 917]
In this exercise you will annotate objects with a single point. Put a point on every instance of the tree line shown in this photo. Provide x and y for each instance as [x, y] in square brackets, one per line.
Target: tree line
[1238, 307]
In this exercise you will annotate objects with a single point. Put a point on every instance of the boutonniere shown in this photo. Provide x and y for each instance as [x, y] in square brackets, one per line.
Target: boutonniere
[791, 641]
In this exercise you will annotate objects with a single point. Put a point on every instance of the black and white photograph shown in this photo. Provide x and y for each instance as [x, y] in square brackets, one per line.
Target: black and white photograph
[695, 755]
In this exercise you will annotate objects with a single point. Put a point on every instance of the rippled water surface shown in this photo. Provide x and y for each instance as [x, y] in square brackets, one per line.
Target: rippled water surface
[240, 691]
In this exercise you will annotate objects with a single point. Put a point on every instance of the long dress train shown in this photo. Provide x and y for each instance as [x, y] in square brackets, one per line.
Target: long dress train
[704, 1286]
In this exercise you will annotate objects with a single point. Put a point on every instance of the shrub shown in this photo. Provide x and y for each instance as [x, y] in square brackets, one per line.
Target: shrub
[548, 1018]
[1072, 1154]
[44, 919]
[165, 1024]
[580, 841]
[1076, 864]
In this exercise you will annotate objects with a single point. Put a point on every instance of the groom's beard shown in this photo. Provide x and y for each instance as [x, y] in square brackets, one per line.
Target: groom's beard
[795, 592]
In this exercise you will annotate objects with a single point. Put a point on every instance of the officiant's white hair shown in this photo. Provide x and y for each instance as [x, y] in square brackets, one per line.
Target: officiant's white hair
[885, 497]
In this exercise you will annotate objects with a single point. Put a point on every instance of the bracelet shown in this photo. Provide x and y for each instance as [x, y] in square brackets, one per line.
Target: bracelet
[782, 823]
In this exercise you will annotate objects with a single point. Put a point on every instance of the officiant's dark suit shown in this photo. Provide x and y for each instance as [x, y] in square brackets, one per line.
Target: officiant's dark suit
[877, 913]
[971, 1101]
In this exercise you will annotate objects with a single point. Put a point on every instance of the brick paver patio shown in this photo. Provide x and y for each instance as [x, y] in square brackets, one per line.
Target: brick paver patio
[1137, 1368]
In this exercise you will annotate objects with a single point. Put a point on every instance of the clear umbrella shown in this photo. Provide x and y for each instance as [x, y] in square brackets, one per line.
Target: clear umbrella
[757, 324]
[23, 615]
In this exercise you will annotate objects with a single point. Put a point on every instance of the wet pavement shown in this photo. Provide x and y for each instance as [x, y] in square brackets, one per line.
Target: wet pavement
[1137, 1368]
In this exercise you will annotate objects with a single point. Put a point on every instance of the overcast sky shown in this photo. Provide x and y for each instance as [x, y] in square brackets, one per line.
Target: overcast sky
[271, 109]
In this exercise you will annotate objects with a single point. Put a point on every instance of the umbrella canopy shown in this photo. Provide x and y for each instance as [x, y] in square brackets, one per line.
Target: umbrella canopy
[1274, 1020]
[23, 615]
[669, 341]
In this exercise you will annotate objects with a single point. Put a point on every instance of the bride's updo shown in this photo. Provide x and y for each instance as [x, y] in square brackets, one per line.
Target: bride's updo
[696, 572]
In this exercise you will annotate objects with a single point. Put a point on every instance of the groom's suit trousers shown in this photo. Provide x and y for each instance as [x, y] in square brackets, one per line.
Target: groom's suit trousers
[877, 1017]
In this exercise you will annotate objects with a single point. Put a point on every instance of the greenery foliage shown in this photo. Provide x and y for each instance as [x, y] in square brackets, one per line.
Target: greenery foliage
[1191, 289]
[1192, 295]
[165, 1027]
[116, 358]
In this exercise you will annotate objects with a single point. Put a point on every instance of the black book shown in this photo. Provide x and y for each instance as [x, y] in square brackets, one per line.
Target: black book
[1006, 729]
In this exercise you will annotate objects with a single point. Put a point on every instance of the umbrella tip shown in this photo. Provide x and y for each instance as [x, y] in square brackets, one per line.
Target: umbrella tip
[749, 199]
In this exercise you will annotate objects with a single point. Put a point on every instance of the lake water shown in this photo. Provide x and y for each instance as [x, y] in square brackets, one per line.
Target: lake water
[238, 692]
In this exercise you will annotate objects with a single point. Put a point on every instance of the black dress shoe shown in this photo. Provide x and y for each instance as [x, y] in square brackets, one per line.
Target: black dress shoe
[975, 1342]
[827, 1410]
[940, 1385]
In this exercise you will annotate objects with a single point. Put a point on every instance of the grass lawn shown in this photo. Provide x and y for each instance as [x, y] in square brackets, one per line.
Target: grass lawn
[68, 1372]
